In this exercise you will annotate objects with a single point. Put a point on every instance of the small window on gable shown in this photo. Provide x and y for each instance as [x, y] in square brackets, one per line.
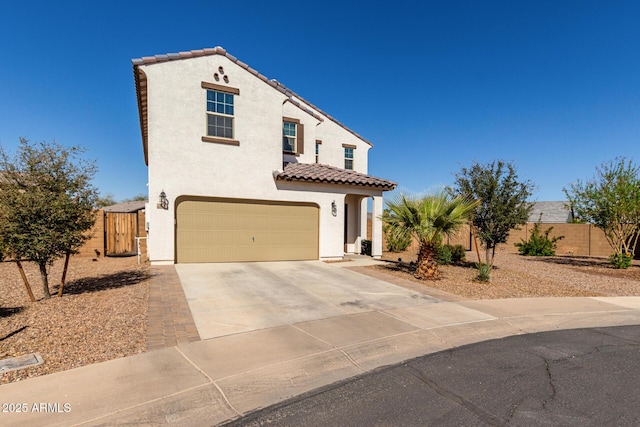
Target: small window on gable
[292, 136]
[348, 158]
[318, 142]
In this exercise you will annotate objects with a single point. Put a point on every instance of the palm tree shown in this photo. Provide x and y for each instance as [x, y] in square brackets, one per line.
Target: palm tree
[427, 219]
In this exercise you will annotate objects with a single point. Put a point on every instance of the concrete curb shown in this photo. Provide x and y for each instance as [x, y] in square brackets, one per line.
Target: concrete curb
[211, 381]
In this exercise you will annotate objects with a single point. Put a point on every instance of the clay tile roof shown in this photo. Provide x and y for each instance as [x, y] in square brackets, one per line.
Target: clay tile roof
[314, 172]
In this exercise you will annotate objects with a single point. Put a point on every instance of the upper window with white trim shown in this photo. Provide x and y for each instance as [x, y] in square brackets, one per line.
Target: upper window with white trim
[289, 137]
[292, 136]
[219, 114]
[348, 158]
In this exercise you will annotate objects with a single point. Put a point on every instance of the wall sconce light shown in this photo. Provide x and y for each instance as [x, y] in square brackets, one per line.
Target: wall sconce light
[164, 202]
[334, 208]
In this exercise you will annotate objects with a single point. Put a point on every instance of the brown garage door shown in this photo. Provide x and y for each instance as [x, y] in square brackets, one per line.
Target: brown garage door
[225, 230]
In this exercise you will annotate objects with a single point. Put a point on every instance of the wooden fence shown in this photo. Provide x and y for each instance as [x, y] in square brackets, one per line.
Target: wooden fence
[114, 234]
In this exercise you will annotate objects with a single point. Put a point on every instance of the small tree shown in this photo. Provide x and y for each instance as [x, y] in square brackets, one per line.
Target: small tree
[503, 201]
[427, 219]
[611, 202]
[46, 203]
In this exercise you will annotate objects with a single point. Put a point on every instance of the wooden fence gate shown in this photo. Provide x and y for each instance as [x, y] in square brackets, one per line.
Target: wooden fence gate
[121, 230]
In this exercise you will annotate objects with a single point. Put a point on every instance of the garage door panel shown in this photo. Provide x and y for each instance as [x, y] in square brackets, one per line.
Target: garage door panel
[229, 231]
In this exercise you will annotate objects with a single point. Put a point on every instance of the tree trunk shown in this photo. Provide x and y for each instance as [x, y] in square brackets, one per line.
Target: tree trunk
[487, 257]
[26, 282]
[427, 265]
[45, 280]
[475, 239]
[64, 274]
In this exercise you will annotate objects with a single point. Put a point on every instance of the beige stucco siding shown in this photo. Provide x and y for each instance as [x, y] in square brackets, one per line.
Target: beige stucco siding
[181, 164]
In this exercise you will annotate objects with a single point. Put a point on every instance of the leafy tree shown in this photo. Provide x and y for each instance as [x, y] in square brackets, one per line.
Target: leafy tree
[106, 200]
[503, 201]
[427, 219]
[137, 198]
[46, 203]
[611, 202]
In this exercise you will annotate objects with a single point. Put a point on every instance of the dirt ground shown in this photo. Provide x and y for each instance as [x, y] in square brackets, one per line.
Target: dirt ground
[100, 316]
[516, 276]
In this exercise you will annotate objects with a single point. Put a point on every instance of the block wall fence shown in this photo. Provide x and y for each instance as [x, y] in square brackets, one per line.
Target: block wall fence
[579, 239]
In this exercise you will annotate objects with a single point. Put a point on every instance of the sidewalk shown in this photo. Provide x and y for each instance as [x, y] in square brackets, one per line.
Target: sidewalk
[209, 382]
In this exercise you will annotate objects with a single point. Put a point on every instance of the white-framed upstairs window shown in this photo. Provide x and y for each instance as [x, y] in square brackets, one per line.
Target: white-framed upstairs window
[220, 112]
[289, 137]
[348, 156]
[292, 136]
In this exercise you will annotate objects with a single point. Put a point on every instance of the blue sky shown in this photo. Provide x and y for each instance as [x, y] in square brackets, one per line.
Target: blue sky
[552, 86]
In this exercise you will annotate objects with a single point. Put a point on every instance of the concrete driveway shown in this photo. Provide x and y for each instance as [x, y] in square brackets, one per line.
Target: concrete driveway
[229, 298]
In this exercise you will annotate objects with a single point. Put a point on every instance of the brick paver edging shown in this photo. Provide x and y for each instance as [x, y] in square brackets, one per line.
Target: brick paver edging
[169, 319]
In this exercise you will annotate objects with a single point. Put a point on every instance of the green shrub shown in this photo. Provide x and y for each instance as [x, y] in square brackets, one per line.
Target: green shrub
[450, 254]
[396, 244]
[484, 272]
[622, 261]
[458, 253]
[539, 244]
[365, 247]
[444, 255]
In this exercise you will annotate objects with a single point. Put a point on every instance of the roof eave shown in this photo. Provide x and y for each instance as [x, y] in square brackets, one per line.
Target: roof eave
[141, 97]
[384, 187]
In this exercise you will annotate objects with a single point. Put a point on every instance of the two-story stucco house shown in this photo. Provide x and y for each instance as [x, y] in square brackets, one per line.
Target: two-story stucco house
[243, 169]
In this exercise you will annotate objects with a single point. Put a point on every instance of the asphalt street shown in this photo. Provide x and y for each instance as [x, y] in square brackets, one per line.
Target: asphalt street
[585, 377]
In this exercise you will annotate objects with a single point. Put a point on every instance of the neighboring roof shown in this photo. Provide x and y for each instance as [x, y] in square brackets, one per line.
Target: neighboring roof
[315, 172]
[125, 207]
[141, 87]
[552, 212]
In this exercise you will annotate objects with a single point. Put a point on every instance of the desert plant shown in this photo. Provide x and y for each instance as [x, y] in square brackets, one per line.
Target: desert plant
[622, 260]
[539, 244]
[427, 219]
[484, 272]
[396, 243]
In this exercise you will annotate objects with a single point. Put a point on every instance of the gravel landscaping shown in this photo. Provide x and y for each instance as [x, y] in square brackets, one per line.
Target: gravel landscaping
[101, 315]
[103, 312]
[516, 276]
